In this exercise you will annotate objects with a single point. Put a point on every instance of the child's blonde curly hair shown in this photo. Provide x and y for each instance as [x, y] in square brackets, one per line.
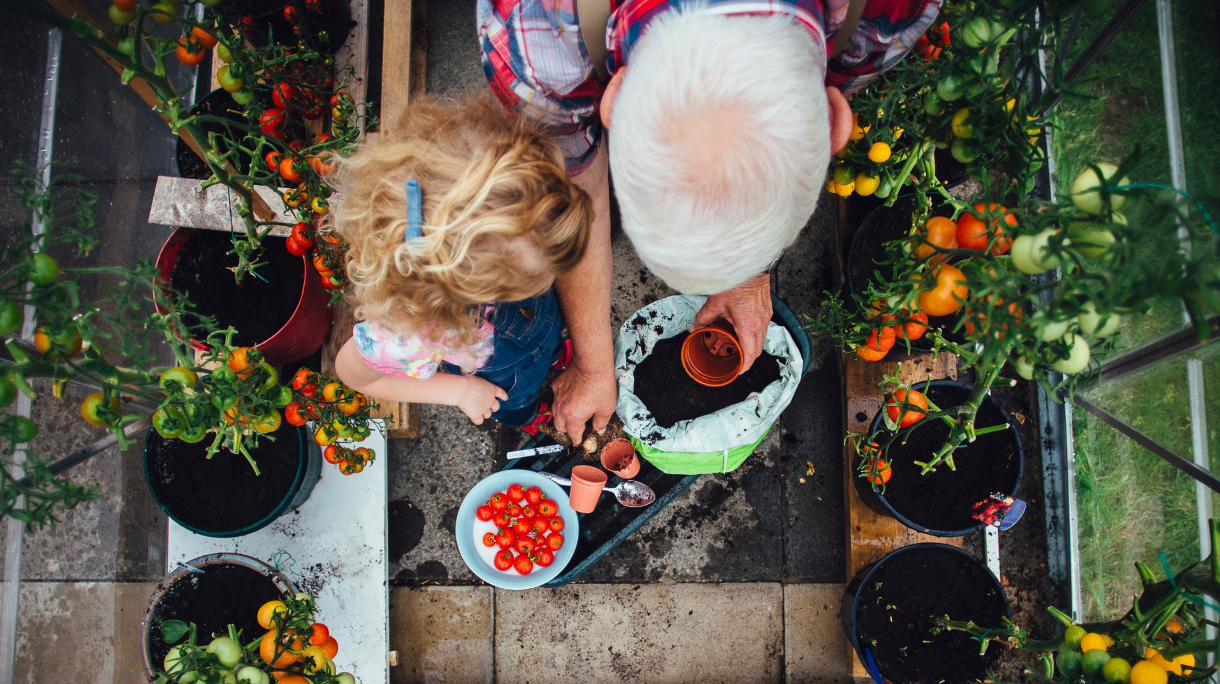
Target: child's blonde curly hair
[501, 218]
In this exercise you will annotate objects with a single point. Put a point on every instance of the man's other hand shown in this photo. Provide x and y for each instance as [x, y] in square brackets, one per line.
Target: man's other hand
[748, 308]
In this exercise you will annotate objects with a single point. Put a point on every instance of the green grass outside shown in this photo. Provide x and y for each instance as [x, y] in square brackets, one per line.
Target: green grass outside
[1132, 504]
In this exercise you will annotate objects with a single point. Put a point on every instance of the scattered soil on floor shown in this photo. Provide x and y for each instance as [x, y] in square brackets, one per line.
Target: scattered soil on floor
[944, 499]
[897, 611]
[222, 494]
[672, 396]
[259, 306]
[223, 594]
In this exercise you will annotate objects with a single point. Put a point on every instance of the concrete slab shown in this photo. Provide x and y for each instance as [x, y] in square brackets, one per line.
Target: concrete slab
[656, 633]
[724, 528]
[442, 634]
[453, 49]
[815, 649]
[98, 618]
[429, 476]
[634, 285]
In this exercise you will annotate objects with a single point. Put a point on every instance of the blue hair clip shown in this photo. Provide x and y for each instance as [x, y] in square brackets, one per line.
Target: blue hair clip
[415, 210]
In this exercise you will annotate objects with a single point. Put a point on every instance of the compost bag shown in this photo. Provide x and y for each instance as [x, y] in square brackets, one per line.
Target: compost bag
[714, 443]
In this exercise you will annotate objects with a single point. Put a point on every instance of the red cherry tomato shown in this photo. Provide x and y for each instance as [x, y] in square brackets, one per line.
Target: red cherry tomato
[514, 511]
[556, 524]
[283, 94]
[528, 513]
[292, 413]
[300, 378]
[544, 557]
[290, 169]
[332, 454]
[548, 508]
[522, 527]
[498, 502]
[270, 120]
[484, 512]
[533, 495]
[554, 541]
[290, 14]
[974, 233]
[301, 232]
[515, 492]
[320, 634]
[501, 519]
[504, 560]
[524, 545]
[190, 52]
[295, 247]
[893, 406]
[523, 565]
[505, 538]
[539, 527]
[489, 540]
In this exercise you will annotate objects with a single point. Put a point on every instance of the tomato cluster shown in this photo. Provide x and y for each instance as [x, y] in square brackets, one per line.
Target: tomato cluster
[328, 259]
[350, 461]
[529, 524]
[862, 162]
[337, 410]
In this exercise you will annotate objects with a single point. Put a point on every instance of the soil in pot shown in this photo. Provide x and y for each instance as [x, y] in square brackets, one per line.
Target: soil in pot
[217, 103]
[944, 499]
[223, 594]
[222, 494]
[663, 385]
[867, 251]
[896, 612]
[259, 306]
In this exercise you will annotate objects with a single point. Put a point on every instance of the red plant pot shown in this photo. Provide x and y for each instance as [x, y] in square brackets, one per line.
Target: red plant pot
[304, 331]
[712, 355]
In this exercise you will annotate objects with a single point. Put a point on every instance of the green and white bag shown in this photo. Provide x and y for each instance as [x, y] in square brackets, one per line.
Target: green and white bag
[715, 443]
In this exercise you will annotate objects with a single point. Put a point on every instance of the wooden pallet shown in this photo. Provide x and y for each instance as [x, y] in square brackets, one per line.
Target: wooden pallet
[869, 534]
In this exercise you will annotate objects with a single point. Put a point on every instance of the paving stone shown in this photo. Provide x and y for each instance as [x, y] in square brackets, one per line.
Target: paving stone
[453, 49]
[101, 619]
[815, 648]
[591, 633]
[724, 528]
[442, 634]
[634, 285]
[428, 478]
[813, 422]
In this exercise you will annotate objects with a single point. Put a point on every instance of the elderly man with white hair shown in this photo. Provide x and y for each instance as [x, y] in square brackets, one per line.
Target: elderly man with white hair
[722, 116]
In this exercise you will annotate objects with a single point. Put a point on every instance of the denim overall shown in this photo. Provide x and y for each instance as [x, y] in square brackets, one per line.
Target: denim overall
[527, 338]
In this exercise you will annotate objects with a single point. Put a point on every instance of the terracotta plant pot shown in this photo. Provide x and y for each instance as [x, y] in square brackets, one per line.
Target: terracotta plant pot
[587, 483]
[304, 314]
[712, 355]
[619, 457]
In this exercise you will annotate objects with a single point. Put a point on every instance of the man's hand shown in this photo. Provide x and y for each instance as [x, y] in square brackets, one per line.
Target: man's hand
[748, 308]
[580, 396]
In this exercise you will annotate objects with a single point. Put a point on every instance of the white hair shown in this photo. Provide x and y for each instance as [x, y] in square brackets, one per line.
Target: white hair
[720, 145]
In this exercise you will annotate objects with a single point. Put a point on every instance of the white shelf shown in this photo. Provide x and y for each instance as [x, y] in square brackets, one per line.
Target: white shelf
[334, 546]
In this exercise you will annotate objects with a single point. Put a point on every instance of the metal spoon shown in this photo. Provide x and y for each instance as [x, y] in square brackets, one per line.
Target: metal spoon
[629, 493]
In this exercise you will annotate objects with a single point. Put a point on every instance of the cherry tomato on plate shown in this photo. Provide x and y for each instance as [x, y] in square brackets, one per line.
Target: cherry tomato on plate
[554, 541]
[544, 557]
[539, 526]
[484, 513]
[504, 560]
[523, 545]
[523, 565]
[501, 519]
[548, 508]
[522, 527]
[489, 540]
[528, 513]
[515, 492]
[556, 524]
[514, 511]
[533, 495]
[498, 501]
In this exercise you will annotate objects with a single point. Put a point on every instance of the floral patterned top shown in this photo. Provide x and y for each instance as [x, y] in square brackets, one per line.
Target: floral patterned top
[417, 356]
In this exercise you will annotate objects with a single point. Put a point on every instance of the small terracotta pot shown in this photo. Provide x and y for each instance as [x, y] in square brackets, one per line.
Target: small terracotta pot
[619, 457]
[712, 355]
[587, 483]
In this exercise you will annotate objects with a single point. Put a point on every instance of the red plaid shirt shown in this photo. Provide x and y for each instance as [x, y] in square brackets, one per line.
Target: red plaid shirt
[535, 60]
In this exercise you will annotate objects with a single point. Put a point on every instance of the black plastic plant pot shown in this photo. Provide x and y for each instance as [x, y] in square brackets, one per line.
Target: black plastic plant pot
[887, 224]
[221, 496]
[941, 502]
[890, 608]
[216, 103]
[212, 592]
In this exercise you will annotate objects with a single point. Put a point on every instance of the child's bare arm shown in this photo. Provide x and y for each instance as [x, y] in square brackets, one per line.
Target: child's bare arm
[476, 397]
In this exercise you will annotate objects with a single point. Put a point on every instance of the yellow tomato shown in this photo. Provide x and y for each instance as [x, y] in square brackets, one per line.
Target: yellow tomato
[1175, 666]
[1093, 642]
[267, 610]
[879, 152]
[867, 185]
[1148, 672]
[857, 133]
[961, 129]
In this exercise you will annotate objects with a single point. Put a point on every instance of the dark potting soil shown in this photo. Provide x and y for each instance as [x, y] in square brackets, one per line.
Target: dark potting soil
[944, 499]
[224, 594]
[898, 606]
[672, 396]
[222, 494]
[216, 103]
[259, 306]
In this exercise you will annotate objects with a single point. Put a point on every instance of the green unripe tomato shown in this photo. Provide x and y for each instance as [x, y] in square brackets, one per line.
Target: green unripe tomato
[962, 151]
[845, 174]
[8, 392]
[209, 3]
[1067, 662]
[283, 396]
[1039, 252]
[193, 435]
[44, 270]
[976, 32]
[1090, 321]
[1091, 240]
[119, 17]
[345, 678]
[178, 378]
[226, 650]
[226, 79]
[1020, 255]
[1047, 329]
[884, 188]
[1077, 358]
[165, 6]
[249, 675]
[1093, 661]
[932, 104]
[949, 88]
[1116, 671]
[272, 378]
[1024, 368]
[243, 97]
[1086, 194]
[169, 422]
[127, 45]
[223, 52]
[18, 429]
[12, 317]
[1073, 635]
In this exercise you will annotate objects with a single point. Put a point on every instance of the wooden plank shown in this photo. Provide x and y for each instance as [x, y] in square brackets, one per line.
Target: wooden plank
[396, 62]
[869, 534]
[184, 202]
[405, 416]
[355, 53]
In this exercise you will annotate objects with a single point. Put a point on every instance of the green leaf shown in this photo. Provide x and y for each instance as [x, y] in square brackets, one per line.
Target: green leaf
[173, 630]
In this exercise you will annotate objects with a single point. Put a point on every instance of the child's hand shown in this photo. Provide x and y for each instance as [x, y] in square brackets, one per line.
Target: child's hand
[480, 399]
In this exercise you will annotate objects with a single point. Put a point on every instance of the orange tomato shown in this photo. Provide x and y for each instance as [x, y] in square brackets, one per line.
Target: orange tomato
[267, 648]
[894, 405]
[331, 391]
[947, 295]
[189, 51]
[69, 341]
[349, 405]
[916, 326]
[320, 631]
[234, 415]
[974, 320]
[940, 232]
[330, 647]
[883, 470]
[267, 610]
[208, 40]
[290, 170]
[974, 233]
[320, 265]
[240, 362]
[287, 678]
